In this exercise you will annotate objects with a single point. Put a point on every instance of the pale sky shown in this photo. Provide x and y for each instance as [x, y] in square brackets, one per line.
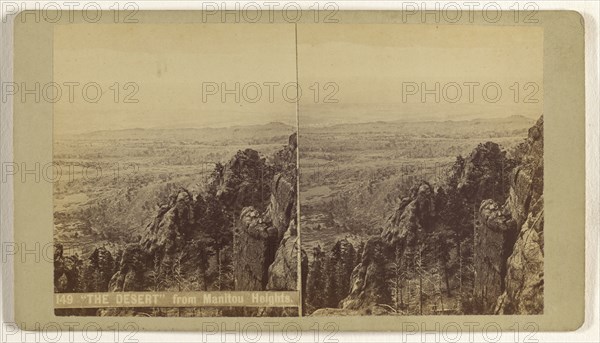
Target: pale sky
[170, 63]
[369, 64]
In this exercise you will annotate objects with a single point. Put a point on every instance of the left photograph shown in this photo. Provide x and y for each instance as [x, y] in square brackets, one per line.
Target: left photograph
[175, 170]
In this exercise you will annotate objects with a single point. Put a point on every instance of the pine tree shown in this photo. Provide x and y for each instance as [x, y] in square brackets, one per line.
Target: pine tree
[345, 267]
[218, 229]
[316, 281]
[397, 279]
[331, 283]
[178, 277]
[359, 252]
[98, 270]
[157, 281]
[202, 264]
[377, 254]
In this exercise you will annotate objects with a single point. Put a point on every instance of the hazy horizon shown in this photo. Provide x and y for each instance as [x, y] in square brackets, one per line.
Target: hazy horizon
[313, 125]
[369, 64]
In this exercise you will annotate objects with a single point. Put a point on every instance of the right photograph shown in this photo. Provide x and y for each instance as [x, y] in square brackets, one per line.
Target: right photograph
[421, 157]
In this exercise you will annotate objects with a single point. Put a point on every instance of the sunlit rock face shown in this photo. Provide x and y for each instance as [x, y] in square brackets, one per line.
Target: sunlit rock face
[524, 281]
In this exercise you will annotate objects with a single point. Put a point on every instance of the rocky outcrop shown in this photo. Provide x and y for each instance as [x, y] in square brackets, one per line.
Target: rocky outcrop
[415, 212]
[524, 281]
[266, 244]
[485, 174]
[494, 237]
[189, 231]
[282, 205]
[172, 222]
[238, 233]
[255, 244]
[130, 275]
[369, 285]
[406, 231]
[99, 269]
[245, 180]
[284, 269]
[405, 228]
[509, 240]
[425, 216]
[66, 271]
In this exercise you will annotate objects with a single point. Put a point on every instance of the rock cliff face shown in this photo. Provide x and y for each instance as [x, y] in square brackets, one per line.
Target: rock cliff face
[406, 228]
[131, 270]
[255, 243]
[163, 238]
[199, 235]
[524, 280]
[244, 180]
[494, 237]
[416, 212]
[266, 244]
[509, 239]
[282, 206]
[172, 222]
[284, 269]
[428, 216]
[66, 271]
[368, 282]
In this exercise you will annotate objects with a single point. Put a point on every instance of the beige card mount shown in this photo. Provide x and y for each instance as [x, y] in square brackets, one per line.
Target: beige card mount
[360, 168]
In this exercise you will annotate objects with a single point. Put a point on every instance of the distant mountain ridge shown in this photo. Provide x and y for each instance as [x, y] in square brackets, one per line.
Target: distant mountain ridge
[516, 120]
[268, 126]
[271, 133]
[513, 120]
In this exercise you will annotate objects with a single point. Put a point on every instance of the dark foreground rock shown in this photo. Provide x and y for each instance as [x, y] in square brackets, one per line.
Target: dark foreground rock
[491, 203]
[266, 247]
[494, 238]
[524, 281]
[509, 240]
